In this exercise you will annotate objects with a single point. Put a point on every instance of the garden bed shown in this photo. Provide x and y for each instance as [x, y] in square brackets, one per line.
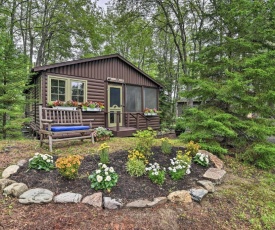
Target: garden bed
[128, 188]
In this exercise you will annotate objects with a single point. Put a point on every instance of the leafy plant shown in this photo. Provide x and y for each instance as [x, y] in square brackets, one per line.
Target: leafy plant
[135, 167]
[68, 166]
[178, 169]
[41, 161]
[180, 126]
[103, 178]
[193, 148]
[145, 140]
[166, 146]
[184, 157]
[156, 174]
[104, 153]
[201, 159]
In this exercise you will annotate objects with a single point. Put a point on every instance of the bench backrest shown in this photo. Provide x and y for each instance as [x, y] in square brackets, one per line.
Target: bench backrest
[60, 116]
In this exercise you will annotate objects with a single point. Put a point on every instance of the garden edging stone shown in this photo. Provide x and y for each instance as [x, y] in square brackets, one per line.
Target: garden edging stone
[42, 195]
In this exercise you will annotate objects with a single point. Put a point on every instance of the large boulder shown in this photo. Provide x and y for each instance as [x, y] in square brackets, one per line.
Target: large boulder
[215, 175]
[68, 197]
[9, 171]
[15, 189]
[182, 196]
[94, 200]
[37, 196]
[4, 183]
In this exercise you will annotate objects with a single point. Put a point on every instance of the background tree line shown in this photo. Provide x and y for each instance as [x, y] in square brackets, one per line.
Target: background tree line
[217, 52]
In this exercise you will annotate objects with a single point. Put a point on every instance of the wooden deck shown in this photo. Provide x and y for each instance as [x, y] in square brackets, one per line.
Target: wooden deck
[123, 131]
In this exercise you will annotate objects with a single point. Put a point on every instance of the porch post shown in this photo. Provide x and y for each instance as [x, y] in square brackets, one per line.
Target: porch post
[117, 120]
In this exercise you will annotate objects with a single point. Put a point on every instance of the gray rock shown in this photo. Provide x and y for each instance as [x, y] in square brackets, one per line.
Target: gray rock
[95, 200]
[37, 196]
[21, 162]
[15, 189]
[182, 196]
[146, 203]
[215, 175]
[4, 183]
[208, 185]
[198, 194]
[10, 170]
[68, 197]
[110, 203]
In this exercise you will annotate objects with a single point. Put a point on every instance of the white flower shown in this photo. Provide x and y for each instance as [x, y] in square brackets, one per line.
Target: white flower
[108, 178]
[106, 173]
[172, 163]
[99, 164]
[111, 169]
[30, 159]
[188, 171]
[201, 158]
[98, 171]
[99, 178]
[170, 168]
[44, 157]
[174, 170]
[48, 160]
[104, 166]
[156, 173]
[36, 154]
[106, 169]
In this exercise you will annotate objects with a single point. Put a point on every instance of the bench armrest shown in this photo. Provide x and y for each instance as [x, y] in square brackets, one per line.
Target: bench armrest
[47, 121]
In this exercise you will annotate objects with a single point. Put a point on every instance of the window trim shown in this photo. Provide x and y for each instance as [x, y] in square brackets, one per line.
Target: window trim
[68, 89]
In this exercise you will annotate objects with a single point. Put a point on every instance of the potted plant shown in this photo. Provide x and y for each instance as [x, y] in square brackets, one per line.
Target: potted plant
[68, 105]
[92, 106]
[180, 126]
[102, 134]
[150, 112]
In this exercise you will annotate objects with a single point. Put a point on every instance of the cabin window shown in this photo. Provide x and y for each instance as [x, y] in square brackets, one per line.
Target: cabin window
[133, 98]
[150, 98]
[65, 89]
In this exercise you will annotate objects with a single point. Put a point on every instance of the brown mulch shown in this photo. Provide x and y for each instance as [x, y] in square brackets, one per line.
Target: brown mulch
[128, 188]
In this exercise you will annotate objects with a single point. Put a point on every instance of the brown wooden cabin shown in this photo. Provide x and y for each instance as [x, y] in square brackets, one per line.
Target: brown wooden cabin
[124, 89]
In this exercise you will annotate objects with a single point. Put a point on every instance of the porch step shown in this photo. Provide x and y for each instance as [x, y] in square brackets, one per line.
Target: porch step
[123, 131]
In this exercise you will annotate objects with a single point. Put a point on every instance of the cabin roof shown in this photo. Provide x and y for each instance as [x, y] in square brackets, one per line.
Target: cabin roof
[61, 64]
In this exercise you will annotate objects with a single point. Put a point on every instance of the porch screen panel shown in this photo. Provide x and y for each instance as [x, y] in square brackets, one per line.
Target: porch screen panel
[150, 98]
[58, 90]
[133, 99]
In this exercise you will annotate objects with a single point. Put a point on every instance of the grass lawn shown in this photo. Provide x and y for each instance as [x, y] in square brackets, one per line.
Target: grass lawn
[244, 201]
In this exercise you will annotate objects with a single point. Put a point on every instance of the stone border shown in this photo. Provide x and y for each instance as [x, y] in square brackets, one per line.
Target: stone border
[213, 176]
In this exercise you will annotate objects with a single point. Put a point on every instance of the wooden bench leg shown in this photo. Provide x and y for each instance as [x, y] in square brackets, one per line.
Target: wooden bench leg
[93, 139]
[50, 143]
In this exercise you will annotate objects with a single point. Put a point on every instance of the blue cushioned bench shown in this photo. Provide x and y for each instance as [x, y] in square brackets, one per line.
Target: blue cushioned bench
[61, 125]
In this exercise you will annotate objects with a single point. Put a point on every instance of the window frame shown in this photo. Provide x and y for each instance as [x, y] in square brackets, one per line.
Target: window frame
[68, 88]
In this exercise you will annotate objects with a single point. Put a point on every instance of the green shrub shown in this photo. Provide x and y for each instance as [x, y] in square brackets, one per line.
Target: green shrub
[156, 174]
[145, 140]
[135, 167]
[261, 155]
[104, 153]
[41, 161]
[166, 146]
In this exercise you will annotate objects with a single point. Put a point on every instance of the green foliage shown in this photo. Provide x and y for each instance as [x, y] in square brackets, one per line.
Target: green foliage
[102, 132]
[179, 168]
[180, 125]
[192, 148]
[41, 161]
[135, 167]
[145, 140]
[156, 174]
[103, 178]
[261, 155]
[166, 146]
[104, 153]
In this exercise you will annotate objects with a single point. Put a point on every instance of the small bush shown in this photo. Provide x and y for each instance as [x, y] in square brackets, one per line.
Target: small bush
[166, 146]
[41, 161]
[178, 169]
[136, 155]
[193, 148]
[201, 159]
[145, 140]
[68, 166]
[156, 174]
[135, 167]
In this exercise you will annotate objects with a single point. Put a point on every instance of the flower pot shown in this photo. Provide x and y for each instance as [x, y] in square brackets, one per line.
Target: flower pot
[103, 138]
[150, 114]
[94, 109]
[66, 108]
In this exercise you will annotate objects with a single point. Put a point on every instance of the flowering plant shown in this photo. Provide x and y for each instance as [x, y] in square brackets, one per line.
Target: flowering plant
[41, 161]
[135, 154]
[69, 103]
[148, 110]
[104, 153]
[156, 174]
[178, 169]
[68, 166]
[93, 104]
[193, 148]
[201, 159]
[101, 132]
[103, 178]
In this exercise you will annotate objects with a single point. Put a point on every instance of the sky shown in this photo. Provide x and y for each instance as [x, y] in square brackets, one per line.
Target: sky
[101, 3]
